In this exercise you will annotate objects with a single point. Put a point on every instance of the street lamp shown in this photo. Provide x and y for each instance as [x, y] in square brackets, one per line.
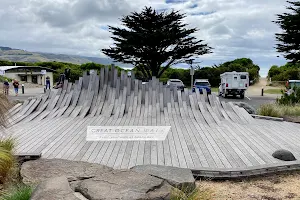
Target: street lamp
[192, 70]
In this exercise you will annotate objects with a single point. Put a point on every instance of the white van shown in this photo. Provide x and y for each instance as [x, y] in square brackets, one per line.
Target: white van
[234, 83]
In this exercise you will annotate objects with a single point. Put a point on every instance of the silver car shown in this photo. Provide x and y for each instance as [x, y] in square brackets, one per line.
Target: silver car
[176, 82]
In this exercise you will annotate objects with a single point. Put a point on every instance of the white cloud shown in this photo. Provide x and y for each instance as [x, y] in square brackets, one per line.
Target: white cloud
[234, 28]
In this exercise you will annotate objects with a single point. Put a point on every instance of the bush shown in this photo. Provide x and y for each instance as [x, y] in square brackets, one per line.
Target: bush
[8, 163]
[291, 99]
[7, 159]
[2, 79]
[269, 110]
[199, 193]
[276, 110]
[19, 192]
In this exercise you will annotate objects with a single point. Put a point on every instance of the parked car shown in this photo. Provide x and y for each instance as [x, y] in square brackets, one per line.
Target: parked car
[290, 85]
[234, 83]
[202, 84]
[176, 82]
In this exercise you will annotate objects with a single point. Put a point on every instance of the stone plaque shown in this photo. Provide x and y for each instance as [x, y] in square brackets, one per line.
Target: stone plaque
[127, 133]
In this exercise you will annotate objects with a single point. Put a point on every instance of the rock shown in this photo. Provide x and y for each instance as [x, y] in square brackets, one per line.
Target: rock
[246, 106]
[55, 189]
[283, 154]
[177, 177]
[92, 181]
[125, 185]
[42, 169]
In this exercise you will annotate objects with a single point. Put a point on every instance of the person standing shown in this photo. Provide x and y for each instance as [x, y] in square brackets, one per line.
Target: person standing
[6, 87]
[47, 82]
[16, 86]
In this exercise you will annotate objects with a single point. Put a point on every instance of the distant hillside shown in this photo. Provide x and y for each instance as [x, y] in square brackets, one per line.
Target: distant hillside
[18, 55]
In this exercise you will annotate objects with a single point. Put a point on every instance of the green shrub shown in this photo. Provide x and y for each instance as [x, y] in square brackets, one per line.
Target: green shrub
[269, 110]
[19, 192]
[199, 193]
[7, 159]
[8, 163]
[291, 99]
[2, 79]
[276, 110]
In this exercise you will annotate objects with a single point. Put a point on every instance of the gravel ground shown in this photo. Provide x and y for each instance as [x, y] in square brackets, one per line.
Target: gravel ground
[275, 187]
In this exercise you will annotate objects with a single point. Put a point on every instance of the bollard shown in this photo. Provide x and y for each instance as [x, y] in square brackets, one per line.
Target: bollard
[22, 88]
[262, 91]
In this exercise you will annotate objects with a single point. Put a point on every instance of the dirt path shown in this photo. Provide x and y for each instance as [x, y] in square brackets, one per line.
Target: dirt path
[255, 90]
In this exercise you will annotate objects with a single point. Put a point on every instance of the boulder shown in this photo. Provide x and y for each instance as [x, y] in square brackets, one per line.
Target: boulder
[92, 181]
[246, 106]
[42, 169]
[178, 177]
[56, 188]
[283, 154]
[125, 185]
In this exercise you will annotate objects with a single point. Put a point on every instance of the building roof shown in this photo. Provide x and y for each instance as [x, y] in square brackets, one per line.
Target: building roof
[5, 68]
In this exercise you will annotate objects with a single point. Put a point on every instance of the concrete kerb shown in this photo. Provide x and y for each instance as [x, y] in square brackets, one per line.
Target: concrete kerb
[267, 117]
[249, 172]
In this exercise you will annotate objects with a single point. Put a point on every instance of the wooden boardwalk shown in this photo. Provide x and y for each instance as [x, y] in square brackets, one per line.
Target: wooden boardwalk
[205, 132]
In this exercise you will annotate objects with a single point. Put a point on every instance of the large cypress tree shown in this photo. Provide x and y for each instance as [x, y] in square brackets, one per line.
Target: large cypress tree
[151, 39]
[290, 37]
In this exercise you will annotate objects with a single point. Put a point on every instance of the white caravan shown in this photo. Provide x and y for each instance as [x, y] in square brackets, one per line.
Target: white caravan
[234, 83]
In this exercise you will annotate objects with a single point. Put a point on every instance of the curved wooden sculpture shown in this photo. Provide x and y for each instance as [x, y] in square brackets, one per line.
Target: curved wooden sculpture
[112, 96]
[205, 132]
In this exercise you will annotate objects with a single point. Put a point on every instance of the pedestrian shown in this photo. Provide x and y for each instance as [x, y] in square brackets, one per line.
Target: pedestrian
[6, 87]
[16, 86]
[47, 82]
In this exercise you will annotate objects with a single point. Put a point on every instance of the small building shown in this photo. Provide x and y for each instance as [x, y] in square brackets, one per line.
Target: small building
[29, 74]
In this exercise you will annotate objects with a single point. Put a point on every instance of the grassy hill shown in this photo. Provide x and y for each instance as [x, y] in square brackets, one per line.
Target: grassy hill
[18, 55]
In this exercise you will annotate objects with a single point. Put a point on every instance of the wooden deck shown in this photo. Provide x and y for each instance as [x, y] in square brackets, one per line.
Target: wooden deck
[205, 133]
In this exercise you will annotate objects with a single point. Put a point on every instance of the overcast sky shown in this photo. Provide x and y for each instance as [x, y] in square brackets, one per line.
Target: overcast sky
[234, 28]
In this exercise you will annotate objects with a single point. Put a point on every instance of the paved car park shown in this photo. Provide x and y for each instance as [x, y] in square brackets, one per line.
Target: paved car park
[255, 101]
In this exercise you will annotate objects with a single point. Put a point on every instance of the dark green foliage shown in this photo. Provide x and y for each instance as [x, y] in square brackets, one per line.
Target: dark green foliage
[284, 73]
[10, 63]
[153, 41]
[2, 79]
[213, 73]
[290, 37]
[89, 66]
[274, 71]
[292, 99]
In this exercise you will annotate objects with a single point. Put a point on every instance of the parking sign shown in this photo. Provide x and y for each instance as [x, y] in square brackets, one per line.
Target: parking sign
[2, 72]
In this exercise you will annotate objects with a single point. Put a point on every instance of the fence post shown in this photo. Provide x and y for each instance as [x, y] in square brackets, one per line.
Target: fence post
[22, 88]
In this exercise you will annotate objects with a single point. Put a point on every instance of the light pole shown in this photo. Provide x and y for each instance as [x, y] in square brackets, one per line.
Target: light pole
[192, 70]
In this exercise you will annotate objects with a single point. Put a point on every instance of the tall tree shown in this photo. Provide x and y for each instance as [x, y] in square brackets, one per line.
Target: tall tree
[154, 41]
[290, 37]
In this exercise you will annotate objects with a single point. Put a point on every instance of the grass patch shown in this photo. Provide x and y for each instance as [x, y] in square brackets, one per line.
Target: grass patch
[19, 192]
[276, 110]
[214, 89]
[273, 91]
[199, 193]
